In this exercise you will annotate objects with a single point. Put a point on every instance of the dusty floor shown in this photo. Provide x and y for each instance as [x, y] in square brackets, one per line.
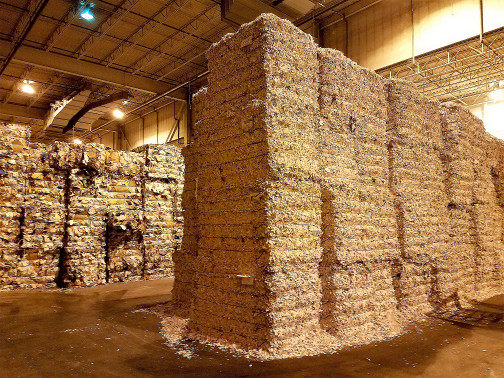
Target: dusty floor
[96, 332]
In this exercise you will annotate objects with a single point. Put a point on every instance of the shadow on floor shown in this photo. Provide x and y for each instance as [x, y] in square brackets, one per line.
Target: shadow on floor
[98, 332]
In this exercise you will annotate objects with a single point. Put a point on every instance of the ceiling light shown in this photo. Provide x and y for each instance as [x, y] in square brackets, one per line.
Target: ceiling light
[27, 88]
[77, 141]
[118, 113]
[86, 13]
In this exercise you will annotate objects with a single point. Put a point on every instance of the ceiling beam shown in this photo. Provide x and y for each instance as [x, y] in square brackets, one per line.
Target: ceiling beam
[317, 12]
[93, 71]
[19, 39]
[22, 111]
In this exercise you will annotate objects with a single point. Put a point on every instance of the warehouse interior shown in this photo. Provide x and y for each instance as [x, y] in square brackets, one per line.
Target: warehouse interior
[266, 186]
[451, 50]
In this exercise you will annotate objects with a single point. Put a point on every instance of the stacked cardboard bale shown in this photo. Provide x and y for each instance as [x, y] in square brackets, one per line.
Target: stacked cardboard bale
[83, 254]
[78, 215]
[162, 208]
[459, 178]
[44, 215]
[358, 218]
[257, 195]
[490, 193]
[488, 216]
[495, 153]
[229, 293]
[14, 145]
[124, 232]
[475, 214]
[319, 196]
[415, 128]
[185, 257]
[124, 247]
[292, 189]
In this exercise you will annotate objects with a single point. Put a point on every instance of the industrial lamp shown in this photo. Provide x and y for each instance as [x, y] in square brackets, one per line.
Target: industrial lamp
[86, 12]
[118, 113]
[27, 87]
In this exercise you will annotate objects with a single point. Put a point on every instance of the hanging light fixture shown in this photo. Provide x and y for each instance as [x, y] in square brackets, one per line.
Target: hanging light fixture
[118, 113]
[27, 87]
[77, 141]
[86, 12]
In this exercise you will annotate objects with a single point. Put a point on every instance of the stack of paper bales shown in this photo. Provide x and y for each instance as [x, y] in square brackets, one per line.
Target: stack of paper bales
[14, 146]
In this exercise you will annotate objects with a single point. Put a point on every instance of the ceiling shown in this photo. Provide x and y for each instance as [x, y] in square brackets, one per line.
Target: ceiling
[151, 48]
[155, 50]
[467, 72]
[144, 46]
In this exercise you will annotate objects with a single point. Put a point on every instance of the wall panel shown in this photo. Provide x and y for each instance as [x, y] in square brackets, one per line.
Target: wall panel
[156, 127]
[385, 33]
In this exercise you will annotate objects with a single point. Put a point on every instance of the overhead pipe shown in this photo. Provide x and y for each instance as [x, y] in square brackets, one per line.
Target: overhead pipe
[412, 34]
[345, 20]
[148, 102]
[123, 95]
[317, 12]
[351, 14]
[481, 21]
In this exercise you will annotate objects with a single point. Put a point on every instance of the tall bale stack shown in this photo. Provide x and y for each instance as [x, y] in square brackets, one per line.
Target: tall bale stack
[459, 178]
[495, 152]
[14, 145]
[421, 199]
[493, 178]
[445, 269]
[257, 195]
[229, 293]
[321, 197]
[44, 216]
[81, 215]
[83, 254]
[124, 232]
[488, 216]
[474, 209]
[185, 257]
[358, 219]
[292, 188]
[162, 208]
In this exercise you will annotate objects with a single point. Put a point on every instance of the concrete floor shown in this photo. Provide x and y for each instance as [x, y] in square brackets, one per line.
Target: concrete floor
[96, 332]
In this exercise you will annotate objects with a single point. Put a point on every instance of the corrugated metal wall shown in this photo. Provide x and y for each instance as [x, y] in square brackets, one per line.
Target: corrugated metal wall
[110, 140]
[164, 125]
[161, 126]
[383, 33]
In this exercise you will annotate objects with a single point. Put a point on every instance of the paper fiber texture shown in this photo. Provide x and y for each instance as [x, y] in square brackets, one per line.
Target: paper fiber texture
[82, 215]
[325, 205]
